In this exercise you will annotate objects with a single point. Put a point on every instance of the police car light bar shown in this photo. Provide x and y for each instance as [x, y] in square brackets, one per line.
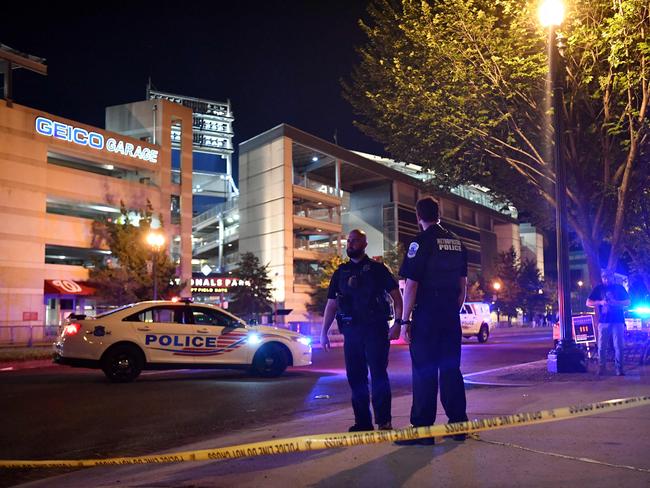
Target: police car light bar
[183, 299]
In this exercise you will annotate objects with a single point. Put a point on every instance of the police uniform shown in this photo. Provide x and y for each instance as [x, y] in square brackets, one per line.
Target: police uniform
[436, 260]
[362, 315]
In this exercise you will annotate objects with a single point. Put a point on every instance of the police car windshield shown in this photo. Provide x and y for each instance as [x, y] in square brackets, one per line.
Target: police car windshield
[115, 310]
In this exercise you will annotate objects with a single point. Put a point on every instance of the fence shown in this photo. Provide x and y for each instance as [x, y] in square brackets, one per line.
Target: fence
[27, 335]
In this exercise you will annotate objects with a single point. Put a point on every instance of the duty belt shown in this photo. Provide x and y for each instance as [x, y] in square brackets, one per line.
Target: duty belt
[441, 292]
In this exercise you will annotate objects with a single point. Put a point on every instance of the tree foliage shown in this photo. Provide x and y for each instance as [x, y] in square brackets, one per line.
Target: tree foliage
[638, 235]
[475, 292]
[394, 257]
[126, 275]
[251, 301]
[509, 295]
[521, 282]
[460, 87]
[319, 295]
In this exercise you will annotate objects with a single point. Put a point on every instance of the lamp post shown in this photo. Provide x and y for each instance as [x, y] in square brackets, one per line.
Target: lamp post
[497, 286]
[566, 357]
[156, 241]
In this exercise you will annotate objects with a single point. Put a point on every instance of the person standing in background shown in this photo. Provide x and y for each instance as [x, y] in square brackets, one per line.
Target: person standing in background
[610, 299]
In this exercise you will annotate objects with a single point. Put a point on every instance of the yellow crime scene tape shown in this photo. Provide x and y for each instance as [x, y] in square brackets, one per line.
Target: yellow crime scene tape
[339, 440]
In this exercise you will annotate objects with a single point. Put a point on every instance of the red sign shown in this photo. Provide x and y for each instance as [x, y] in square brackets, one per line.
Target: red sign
[28, 316]
[67, 287]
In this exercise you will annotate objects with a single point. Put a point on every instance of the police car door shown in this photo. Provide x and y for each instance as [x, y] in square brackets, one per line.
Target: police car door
[222, 338]
[164, 333]
[467, 320]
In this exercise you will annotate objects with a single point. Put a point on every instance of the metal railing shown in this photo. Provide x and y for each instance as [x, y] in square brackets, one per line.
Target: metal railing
[305, 279]
[324, 214]
[27, 335]
[306, 182]
[322, 247]
[211, 240]
[212, 213]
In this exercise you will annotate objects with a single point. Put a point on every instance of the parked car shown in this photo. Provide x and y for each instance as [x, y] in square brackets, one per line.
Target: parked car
[173, 335]
[475, 320]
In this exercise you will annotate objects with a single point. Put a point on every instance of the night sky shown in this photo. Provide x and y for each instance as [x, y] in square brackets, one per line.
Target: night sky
[277, 61]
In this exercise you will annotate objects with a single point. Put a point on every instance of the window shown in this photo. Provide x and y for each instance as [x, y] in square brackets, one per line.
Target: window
[175, 209]
[207, 316]
[163, 315]
[467, 215]
[484, 221]
[450, 210]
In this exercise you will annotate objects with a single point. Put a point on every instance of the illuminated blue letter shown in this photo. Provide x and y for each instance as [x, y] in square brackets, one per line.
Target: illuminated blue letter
[44, 126]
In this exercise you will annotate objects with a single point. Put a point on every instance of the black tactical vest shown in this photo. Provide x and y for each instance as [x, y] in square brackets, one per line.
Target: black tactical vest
[361, 298]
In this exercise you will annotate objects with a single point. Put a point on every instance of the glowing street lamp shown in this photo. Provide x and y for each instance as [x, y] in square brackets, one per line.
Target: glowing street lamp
[497, 286]
[551, 13]
[156, 241]
[566, 357]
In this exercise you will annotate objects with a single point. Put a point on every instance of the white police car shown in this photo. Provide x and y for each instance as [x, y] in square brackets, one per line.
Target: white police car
[475, 320]
[174, 335]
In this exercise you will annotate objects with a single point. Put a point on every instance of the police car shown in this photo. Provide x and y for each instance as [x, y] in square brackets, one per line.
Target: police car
[475, 320]
[174, 335]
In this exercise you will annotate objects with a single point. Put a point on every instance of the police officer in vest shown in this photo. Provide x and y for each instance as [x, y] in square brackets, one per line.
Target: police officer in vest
[435, 268]
[357, 296]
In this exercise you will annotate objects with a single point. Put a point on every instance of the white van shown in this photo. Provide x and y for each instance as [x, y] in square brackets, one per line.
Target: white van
[475, 320]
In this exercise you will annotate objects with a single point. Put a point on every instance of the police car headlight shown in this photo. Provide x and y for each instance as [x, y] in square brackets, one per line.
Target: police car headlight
[305, 341]
[254, 339]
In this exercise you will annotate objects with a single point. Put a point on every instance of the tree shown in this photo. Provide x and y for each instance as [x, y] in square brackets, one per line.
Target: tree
[475, 292]
[394, 257]
[460, 87]
[251, 301]
[509, 295]
[532, 299]
[638, 235]
[125, 276]
[319, 295]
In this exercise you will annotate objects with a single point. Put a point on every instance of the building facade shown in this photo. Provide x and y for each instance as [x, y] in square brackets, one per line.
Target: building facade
[57, 176]
[301, 195]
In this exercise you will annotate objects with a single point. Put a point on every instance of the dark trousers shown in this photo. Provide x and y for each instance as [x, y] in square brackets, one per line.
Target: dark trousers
[366, 347]
[435, 357]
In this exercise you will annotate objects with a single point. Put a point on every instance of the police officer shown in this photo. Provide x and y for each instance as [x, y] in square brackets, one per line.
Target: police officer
[435, 268]
[357, 297]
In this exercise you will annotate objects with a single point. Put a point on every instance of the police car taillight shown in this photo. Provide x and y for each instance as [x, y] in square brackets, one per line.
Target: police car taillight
[71, 329]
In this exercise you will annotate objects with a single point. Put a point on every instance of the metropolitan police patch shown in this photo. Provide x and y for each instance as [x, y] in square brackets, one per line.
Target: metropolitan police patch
[413, 249]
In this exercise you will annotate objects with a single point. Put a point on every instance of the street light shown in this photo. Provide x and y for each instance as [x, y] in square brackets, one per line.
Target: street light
[156, 241]
[497, 286]
[566, 357]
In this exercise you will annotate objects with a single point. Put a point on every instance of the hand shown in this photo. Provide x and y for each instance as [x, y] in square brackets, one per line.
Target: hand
[325, 341]
[393, 333]
[407, 333]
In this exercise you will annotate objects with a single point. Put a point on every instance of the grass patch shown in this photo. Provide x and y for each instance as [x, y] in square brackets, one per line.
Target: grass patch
[10, 354]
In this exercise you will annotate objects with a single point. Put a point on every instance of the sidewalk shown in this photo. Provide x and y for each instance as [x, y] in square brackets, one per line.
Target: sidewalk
[604, 450]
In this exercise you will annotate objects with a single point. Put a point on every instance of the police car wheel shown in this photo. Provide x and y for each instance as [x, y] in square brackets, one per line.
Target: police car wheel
[270, 361]
[483, 334]
[122, 364]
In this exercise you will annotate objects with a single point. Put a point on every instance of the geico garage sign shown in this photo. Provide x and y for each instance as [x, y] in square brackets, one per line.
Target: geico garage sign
[95, 140]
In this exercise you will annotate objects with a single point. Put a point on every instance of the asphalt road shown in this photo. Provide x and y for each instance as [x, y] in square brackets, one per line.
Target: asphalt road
[64, 413]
